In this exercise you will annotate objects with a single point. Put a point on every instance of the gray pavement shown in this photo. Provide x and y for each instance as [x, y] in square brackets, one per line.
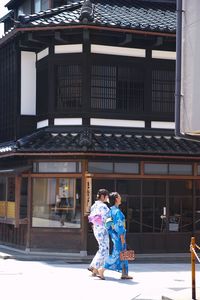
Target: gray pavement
[56, 276]
[13, 253]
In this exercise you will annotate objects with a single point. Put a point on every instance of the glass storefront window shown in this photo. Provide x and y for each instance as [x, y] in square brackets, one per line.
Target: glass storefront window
[2, 188]
[57, 167]
[155, 168]
[180, 169]
[2, 196]
[197, 214]
[129, 187]
[159, 210]
[180, 187]
[7, 197]
[155, 205]
[102, 184]
[197, 203]
[100, 167]
[171, 169]
[187, 214]
[129, 168]
[56, 202]
[23, 198]
[152, 210]
[154, 187]
[197, 187]
[115, 167]
[133, 214]
[180, 205]
[147, 215]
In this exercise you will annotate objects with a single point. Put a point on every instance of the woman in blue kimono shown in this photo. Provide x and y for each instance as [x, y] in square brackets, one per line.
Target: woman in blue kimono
[117, 231]
[98, 215]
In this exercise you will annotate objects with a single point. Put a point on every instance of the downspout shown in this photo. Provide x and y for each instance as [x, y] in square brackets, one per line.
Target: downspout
[178, 67]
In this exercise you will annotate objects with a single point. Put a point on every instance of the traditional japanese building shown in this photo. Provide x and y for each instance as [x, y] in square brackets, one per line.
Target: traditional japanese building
[87, 102]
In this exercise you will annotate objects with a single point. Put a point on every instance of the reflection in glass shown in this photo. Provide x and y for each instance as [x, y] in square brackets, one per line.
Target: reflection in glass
[100, 167]
[150, 168]
[133, 214]
[23, 198]
[147, 215]
[56, 202]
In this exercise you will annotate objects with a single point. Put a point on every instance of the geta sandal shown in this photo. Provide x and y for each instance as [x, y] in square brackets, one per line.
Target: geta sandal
[126, 277]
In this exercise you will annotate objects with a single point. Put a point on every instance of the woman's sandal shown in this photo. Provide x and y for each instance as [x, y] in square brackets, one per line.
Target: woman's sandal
[95, 272]
[100, 275]
[90, 269]
[126, 277]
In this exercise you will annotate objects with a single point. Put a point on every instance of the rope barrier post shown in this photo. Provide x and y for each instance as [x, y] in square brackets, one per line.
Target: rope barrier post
[192, 246]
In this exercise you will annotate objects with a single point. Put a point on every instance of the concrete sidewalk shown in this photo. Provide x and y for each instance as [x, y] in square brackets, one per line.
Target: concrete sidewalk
[59, 279]
[165, 276]
[13, 253]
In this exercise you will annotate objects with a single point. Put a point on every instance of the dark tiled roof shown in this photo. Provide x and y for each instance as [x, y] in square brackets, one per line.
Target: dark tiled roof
[7, 147]
[132, 14]
[96, 140]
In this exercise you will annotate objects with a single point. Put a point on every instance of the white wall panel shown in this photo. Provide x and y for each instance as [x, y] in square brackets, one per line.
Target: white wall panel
[68, 121]
[171, 55]
[76, 48]
[163, 125]
[28, 83]
[117, 123]
[42, 124]
[134, 52]
[42, 53]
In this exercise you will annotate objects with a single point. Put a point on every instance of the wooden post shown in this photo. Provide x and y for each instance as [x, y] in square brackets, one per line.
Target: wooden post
[192, 245]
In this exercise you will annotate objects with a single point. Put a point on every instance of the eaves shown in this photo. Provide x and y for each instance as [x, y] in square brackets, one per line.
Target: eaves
[14, 32]
[89, 154]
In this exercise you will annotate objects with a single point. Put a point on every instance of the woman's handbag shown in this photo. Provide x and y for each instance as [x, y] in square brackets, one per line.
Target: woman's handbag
[127, 255]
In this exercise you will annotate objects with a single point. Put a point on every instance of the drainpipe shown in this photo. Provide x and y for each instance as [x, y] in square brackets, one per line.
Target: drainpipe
[178, 66]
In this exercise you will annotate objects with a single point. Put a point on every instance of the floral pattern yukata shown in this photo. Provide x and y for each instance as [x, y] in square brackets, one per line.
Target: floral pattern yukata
[101, 210]
[113, 262]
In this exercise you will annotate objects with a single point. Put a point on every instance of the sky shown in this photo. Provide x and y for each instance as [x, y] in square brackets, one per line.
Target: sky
[3, 11]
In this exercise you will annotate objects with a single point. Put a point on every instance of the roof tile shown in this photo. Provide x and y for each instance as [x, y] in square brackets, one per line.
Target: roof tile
[137, 14]
[95, 140]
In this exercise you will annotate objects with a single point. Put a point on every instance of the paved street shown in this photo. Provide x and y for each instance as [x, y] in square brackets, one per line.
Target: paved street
[60, 280]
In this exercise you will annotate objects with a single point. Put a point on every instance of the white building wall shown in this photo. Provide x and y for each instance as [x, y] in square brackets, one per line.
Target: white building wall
[28, 83]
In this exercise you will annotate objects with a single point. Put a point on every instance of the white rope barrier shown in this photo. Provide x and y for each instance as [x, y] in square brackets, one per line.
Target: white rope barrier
[197, 246]
[192, 249]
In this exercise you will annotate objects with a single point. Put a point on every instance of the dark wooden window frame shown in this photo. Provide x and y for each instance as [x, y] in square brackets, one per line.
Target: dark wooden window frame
[111, 105]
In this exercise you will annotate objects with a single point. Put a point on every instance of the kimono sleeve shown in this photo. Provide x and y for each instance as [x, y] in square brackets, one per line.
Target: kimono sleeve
[119, 224]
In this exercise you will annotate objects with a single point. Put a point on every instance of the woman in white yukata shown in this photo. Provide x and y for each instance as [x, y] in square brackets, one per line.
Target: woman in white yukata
[98, 216]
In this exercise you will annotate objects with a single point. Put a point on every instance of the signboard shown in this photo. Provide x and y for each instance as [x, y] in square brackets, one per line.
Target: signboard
[88, 195]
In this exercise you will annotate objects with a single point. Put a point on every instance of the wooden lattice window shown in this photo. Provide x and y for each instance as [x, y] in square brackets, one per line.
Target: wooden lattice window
[130, 89]
[119, 88]
[163, 89]
[68, 87]
[103, 87]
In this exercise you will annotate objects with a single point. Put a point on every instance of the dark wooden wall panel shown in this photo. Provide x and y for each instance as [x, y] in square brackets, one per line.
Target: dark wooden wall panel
[8, 91]
[12, 236]
[56, 241]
